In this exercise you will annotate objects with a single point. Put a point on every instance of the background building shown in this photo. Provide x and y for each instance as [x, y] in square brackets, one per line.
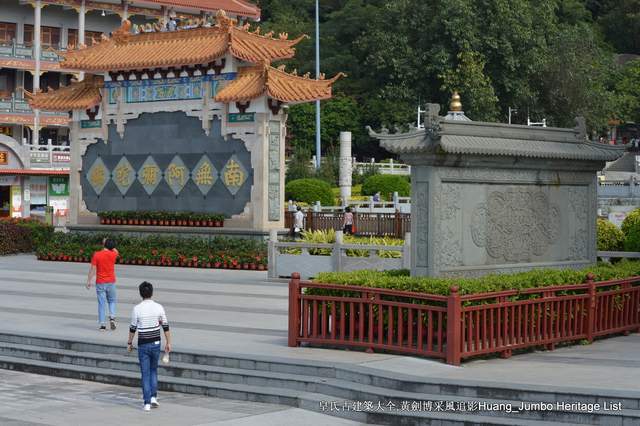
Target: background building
[35, 145]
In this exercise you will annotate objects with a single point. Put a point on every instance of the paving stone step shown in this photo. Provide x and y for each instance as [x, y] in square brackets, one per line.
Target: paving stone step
[305, 400]
[333, 389]
[630, 399]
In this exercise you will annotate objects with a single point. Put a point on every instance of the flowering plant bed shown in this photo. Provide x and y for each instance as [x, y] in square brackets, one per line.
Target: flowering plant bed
[219, 252]
[149, 218]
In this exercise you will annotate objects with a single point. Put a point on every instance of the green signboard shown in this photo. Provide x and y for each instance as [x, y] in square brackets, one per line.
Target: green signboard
[241, 118]
[90, 124]
[58, 186]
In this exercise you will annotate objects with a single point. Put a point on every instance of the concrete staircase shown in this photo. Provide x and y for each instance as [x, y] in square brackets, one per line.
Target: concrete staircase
[317, 386]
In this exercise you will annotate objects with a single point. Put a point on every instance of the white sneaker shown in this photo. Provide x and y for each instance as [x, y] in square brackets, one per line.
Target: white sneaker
[154, 402]
[147, 407]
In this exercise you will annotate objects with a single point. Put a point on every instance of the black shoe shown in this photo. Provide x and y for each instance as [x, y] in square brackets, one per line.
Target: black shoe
[112, 323]
[103, 328]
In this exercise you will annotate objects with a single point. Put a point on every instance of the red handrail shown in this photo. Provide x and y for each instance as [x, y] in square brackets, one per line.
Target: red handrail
[453, 328]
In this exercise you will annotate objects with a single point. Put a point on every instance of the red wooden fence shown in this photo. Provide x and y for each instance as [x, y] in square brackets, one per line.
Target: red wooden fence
[376, 224]
[455, 327]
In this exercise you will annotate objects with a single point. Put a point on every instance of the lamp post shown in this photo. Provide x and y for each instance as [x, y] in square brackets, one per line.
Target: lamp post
[318, 153]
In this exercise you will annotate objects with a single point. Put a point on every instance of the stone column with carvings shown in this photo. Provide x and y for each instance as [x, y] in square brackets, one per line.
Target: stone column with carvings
[346, 166]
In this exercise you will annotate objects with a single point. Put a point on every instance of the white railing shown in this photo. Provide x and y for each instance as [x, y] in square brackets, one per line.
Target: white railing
[386, 168]
[288, 257]
[397, 204]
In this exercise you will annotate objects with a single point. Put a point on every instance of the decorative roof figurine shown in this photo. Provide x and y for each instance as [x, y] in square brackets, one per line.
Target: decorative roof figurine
[455, 109]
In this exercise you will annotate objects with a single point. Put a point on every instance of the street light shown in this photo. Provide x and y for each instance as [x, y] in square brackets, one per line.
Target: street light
[317, 76]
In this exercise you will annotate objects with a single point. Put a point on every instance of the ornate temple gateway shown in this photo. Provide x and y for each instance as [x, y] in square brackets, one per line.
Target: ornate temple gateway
[186, 120]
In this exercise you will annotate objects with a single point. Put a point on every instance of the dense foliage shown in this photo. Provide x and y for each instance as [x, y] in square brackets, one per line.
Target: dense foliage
[610, 237]
[309, 191]
[22, 235]
[386, 185]
[158, 250]
[400, 280]
[550, 59]
[631, 230]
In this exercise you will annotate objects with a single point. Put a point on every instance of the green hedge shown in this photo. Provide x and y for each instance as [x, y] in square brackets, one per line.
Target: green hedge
[631, 230]
[161, 250]
[22, 235]
[610, 237]
[386, 185]
[309, 191]
[400, 280]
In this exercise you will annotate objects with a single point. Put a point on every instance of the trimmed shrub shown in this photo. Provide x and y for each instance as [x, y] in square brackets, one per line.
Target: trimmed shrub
[610, 237]
[22, 235]
[309, 191]
[15, 239]
[386, 185]
[631, 230]
[400, 280]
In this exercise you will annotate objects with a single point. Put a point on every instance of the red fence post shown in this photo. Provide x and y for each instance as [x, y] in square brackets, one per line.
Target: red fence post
[294, 309]
[454, 310]
[591, 313]
[309, 224]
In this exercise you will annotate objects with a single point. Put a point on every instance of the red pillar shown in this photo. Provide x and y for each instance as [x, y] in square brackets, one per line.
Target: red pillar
[294, 309]
[454, 308]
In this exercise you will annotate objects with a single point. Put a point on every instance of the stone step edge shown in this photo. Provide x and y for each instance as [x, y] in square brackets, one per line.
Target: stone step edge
[346, 369]
[369, 392]
[305, 400]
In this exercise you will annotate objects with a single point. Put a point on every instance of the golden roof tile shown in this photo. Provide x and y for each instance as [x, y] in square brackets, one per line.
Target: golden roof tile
[78, 95]
[126, 52]
[252, 82]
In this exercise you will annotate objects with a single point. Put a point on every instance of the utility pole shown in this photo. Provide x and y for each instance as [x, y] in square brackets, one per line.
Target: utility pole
[511, 111]
[318, 150]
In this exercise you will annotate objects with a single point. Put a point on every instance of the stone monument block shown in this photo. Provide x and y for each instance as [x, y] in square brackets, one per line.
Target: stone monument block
[490, 197]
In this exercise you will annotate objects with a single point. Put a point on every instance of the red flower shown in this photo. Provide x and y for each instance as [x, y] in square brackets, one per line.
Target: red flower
[234, 262]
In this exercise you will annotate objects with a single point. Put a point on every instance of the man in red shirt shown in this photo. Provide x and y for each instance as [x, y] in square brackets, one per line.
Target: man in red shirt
[103, 268]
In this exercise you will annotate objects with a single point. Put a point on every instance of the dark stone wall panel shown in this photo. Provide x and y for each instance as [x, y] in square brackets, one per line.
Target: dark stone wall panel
[162, 136]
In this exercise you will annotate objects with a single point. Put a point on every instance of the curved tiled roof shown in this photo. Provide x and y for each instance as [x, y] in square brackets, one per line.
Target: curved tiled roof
[126, 52]
[494, 139]
[79, 95]
[252, 82]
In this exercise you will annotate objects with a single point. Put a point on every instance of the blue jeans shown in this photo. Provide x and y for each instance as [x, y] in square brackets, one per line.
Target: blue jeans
[148, 355]
[106, 294]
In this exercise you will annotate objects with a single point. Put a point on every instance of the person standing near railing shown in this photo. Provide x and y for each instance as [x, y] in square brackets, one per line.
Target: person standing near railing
[298, 222]
[347, 222]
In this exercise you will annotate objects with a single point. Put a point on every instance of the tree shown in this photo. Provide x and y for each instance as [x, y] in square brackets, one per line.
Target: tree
[469, 78]
[628, 90]
[575, 79]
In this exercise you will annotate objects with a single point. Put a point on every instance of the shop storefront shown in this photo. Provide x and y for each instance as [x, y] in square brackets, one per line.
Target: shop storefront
[26, 192]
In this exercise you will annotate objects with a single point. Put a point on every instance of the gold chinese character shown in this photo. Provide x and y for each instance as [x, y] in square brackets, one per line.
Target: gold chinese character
[176, 173]
[149, 175]
[233, 176]
[204, 175]
[122, 174]
[97, 177]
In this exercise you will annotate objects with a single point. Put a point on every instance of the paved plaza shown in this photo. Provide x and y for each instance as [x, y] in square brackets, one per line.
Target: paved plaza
[34, 400]
[240, 312]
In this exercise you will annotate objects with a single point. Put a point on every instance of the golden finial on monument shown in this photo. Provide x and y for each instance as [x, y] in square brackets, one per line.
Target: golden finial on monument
[455, 104]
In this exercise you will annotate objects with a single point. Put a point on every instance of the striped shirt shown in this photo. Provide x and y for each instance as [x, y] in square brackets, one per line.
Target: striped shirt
[147, 318]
